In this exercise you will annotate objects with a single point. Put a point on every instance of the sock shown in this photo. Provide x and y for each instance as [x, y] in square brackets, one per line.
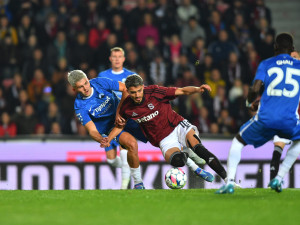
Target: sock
[274, 166]
[125, 169]
[116, 162]
[234, 159]
[210, 159]
[291, 156]
[136, 174]
[193, 156]
[191, 164]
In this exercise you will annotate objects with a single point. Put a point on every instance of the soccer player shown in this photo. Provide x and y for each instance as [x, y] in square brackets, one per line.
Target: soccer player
[118, 73]
[164, 128]
[96, 106]
[277, 112]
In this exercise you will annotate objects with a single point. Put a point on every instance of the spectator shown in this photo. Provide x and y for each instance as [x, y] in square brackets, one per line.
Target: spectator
[220, 101]
[197, 51]
[52, 115]
[221, 48]
[215, 26]
[238, 7]
[204, 120]
[26, 121]
[149, 52]
[260, 11]
[55, 129]
[37, 61]
[7, 127]
[25, 30]
[67, 109]
[158, 71]
[215, 81]
[147, 30]
[119, 29]
[265, 47]
[3, 103]
[225, 123]
[98, 35]
[185, 11]
[36, 86]
[91, 16]
[6, 30]
[190, 32]
[80, 56]
[181, 66]
[204, 69]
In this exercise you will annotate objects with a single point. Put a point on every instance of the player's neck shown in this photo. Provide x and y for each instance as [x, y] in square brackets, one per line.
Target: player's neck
[117, 70]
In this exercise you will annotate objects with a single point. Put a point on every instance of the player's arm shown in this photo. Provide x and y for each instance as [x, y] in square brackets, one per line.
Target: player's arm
[192, 90]
[93, 132]
[120, 120]
[105, 142]
[253, 95]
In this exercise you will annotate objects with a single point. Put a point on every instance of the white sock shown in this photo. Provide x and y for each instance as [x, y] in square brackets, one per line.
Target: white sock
[116, 162]
[291, 156]
[191, 164]
[125, 169]
[234, 158]
[194, 156]
[136, 174]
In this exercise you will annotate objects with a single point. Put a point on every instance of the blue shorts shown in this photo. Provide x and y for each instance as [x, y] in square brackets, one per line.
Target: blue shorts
[256, 133]
[134, 129]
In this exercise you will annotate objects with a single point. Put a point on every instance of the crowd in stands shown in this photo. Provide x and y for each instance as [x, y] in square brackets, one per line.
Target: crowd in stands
[167, 42]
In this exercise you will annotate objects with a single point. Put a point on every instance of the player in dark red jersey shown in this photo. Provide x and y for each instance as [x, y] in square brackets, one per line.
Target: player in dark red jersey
[164, 128]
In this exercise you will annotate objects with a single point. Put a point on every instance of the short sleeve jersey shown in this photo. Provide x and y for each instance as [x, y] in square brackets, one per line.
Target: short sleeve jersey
[101, 106]
[280, 99]
[117, 76]
[155, 114]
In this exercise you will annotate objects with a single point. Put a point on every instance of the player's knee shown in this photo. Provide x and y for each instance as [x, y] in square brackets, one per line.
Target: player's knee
[178, 159]
[131, 145]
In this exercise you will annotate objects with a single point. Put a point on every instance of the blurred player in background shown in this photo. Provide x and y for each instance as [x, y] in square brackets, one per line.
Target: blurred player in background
[150, 107]
[277, 111]
[118, 73]
[96, 108]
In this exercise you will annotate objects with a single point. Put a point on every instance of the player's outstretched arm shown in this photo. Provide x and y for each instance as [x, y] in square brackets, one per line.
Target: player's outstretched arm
[93, 132]
[120, 120]
[192, 90]
[105, 142]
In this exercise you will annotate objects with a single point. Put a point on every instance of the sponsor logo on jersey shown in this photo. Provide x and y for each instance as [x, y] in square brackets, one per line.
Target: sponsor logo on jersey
[147, 118]
[134, 114]
[286, 61]
[150, 106]
[101, 95]
[100, 107]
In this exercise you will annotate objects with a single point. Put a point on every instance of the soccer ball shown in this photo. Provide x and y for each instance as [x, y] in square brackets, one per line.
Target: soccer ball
[175, 178]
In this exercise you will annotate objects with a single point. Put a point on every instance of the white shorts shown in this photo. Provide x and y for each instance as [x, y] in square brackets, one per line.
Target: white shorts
[177, 138]
[279, 139]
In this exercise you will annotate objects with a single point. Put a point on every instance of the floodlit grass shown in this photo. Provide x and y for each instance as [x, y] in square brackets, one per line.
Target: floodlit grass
[139, 207]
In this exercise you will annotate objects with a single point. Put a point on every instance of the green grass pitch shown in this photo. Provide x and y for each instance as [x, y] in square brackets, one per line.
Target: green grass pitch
[157, 207]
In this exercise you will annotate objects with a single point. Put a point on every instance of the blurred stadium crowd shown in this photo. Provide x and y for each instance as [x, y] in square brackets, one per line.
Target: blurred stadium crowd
[167, 42]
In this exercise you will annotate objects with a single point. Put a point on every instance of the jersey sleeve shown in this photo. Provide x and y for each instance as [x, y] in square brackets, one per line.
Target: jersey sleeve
[107, 84]
[164, 94]
[260, 72]
[83, 116]
[122, 110]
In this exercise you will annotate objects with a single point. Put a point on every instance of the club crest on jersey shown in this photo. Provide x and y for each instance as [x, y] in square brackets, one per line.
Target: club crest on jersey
[150, 106]
[134, 114]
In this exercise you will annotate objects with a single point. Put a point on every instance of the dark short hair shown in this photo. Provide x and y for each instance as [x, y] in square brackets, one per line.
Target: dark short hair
[133, 80]
[284, 43]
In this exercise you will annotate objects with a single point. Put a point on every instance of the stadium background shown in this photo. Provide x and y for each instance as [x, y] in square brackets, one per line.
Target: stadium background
[41, 40]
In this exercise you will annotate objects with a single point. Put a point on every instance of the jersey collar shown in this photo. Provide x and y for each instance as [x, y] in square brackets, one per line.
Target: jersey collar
[119, 72]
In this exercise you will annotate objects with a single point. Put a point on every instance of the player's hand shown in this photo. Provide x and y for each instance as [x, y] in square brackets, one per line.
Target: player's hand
[104, 142]
[120, 121]
[204, 87]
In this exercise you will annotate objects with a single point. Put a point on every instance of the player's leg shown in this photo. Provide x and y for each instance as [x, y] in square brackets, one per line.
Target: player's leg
[170, 148]
[130, 143]
[290, 158]
[279, 144]
[118, 162]
[125, 168]
[199, 161]
[194, 142]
